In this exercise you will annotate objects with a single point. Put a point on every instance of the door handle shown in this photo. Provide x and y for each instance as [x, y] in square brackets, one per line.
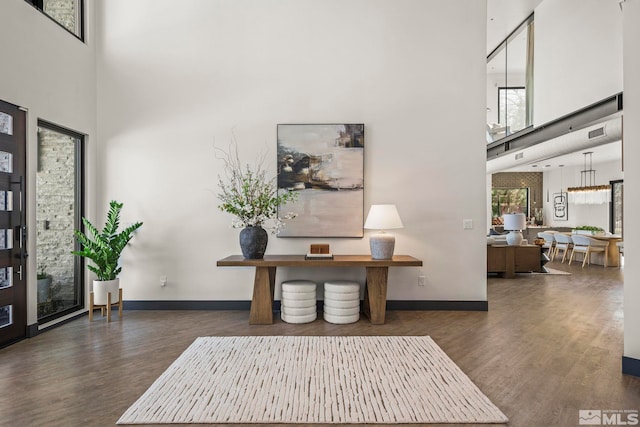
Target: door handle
[20, 234]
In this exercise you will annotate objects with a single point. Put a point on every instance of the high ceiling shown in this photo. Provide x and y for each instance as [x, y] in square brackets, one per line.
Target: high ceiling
[503, 16]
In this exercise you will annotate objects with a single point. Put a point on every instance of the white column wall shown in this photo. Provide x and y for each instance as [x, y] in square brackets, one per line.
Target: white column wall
[52, 74]
[175, 79]
[631, 153]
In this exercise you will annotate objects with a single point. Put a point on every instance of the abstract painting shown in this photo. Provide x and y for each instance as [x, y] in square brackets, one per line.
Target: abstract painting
[560, 207]
[324, 165]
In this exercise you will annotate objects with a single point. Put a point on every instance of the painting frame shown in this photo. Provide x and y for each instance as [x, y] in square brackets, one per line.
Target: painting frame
[324, 164]
[560, 206]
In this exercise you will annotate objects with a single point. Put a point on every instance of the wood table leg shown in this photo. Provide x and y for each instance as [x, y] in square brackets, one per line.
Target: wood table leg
[264, 286]
[510, 253]
[375, 294]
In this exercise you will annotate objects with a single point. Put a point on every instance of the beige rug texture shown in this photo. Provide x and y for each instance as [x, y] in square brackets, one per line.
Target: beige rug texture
[554, 272]
[297, 379]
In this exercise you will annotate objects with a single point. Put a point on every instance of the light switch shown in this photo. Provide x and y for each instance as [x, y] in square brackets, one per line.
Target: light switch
[467, 224]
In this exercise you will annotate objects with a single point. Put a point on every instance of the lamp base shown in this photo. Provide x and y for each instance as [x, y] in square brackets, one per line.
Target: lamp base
[514, 238]
[382, 245]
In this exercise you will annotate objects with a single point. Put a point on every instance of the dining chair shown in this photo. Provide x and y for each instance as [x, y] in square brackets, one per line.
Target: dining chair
[564, 243]
[549, 243]
[588, 245]
[620, 246]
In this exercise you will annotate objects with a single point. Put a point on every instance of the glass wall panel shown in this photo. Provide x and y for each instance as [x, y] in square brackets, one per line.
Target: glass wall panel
[57, 216]
[510, 84]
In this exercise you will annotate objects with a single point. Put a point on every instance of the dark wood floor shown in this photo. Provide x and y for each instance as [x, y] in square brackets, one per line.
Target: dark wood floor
[548, 346]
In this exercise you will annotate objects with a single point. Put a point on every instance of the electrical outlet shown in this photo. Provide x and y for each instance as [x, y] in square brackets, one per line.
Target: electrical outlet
[163, 281]
[420, 280]
[467, 224]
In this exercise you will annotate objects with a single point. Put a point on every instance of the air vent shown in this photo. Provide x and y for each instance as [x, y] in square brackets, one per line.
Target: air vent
[519, 156]
[596, 133]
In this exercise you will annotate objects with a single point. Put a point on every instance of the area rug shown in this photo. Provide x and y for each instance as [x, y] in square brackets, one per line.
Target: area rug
[297, 379]
[553, 272]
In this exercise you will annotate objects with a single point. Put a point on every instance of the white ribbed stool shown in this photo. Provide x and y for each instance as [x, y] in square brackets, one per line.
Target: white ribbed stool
[298, 301]
[341, 302]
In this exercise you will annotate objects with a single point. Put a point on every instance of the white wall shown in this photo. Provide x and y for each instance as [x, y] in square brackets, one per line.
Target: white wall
[52, 74]
[631, 152]
[578, 55]
[559, 179]
[173, 80]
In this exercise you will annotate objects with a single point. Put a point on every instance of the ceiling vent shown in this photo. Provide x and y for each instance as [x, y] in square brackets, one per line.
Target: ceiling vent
[596, 133]
[578, 140]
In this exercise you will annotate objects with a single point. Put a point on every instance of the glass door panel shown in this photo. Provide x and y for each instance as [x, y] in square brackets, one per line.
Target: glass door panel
[58, 195]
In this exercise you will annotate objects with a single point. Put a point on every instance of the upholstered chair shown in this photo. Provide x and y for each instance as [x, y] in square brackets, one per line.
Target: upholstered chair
[588, 245]
[549, 243]
[564, 243]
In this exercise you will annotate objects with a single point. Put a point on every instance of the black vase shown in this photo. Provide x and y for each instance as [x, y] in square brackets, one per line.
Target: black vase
[253, 242]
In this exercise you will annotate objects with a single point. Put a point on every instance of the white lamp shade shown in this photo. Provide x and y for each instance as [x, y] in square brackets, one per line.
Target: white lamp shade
[383, 217]
[515, 221]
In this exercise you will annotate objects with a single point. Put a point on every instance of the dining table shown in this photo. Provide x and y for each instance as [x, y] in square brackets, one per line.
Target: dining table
[612, 253]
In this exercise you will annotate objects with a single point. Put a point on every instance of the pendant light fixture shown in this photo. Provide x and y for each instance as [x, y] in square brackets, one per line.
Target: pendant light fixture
[589, 193]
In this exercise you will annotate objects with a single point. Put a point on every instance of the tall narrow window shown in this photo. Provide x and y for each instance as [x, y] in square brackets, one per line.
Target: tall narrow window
[58, 214]
[512, 108]
[615, 218]
[67, 13]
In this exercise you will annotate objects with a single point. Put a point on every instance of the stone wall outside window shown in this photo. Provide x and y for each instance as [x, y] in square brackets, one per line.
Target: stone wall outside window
[64, 12]
[55, 210]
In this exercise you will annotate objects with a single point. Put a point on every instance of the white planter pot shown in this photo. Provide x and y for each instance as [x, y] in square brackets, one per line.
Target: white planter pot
[102, 287]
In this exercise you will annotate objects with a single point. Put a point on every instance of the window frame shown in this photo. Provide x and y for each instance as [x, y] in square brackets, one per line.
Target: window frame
[612, 205]
[39, 6]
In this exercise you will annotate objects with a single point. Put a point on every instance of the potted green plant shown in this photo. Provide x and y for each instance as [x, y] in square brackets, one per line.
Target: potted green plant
[253, 199]
[44, 284]
[588, 230]
[103, 249]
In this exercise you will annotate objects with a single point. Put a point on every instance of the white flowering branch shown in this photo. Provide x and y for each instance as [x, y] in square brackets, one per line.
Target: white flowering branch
[248, 194]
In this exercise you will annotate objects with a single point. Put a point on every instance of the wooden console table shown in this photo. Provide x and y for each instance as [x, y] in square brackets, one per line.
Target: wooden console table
[375, 293]
[509, 260]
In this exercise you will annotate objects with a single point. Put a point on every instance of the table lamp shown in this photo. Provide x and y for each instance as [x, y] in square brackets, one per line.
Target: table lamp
[515, 223]
[382, 217]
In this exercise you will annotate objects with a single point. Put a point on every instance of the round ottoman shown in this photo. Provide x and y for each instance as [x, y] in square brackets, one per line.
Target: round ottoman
[341, 302]
[298, 301]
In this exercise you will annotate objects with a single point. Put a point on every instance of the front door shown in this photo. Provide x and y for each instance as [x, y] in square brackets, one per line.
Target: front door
[13, 268]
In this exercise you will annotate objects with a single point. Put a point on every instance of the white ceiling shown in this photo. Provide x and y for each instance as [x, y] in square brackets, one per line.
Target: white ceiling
[503, 16]
[601, 154]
